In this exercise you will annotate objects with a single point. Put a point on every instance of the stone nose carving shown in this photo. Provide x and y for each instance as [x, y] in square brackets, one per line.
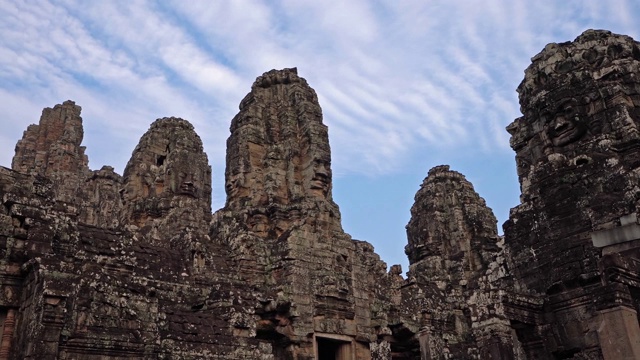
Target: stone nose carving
[187, 187]
[561, 124]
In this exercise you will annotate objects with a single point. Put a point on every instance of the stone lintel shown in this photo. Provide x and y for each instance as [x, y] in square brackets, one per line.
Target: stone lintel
[616, 235]
[621, 247]
[629, 219]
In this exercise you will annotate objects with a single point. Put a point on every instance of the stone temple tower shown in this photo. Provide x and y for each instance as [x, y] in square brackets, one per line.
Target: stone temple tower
[284, 228]
[166, 182]
[455, 271]
[574, 237]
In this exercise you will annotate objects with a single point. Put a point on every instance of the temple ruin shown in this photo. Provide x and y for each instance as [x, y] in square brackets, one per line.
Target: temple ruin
[98, 265]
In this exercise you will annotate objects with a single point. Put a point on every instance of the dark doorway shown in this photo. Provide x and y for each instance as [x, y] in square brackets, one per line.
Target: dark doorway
[328, 349]
[333, 349]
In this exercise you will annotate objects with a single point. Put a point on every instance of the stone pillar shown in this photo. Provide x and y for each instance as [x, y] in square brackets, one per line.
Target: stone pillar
[425, 353]
[496, 348]
[344, 352]
[7, 334]
[52, 149]
[619, 333]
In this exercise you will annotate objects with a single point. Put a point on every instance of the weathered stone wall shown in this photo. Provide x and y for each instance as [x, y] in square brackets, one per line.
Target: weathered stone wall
[52, 149]
[93, 275]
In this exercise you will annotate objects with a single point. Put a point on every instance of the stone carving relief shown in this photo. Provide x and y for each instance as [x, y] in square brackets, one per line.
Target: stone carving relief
[168, 173]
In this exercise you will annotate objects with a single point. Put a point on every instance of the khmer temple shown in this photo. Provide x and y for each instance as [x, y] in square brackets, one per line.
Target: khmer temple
[98, 265]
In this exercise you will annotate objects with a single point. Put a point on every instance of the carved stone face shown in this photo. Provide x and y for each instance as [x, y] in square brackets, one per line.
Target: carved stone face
[321, 179]
[234, 185]
[183, 178]
[167, 166]
[183, 184]
[567, 123]
[259, 224]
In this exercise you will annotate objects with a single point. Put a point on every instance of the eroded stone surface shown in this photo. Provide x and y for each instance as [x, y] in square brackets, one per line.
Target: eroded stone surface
[284, 229]
[278, 152]
[114, 269]
[136, 266]
[575, 149]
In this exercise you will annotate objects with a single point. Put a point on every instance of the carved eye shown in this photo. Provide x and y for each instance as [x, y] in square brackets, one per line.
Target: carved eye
[568, 110]
[614, 51]
[565, 66]
[591, 55]
[545, 117]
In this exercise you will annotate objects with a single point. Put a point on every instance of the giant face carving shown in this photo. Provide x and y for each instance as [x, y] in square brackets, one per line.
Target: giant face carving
[259, 224]
[182, 177]
[567, 123]
[234, 185]
[321, 179]
[167, 167]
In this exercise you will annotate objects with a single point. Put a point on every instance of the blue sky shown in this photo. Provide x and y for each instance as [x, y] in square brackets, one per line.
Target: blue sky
[404, 85]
